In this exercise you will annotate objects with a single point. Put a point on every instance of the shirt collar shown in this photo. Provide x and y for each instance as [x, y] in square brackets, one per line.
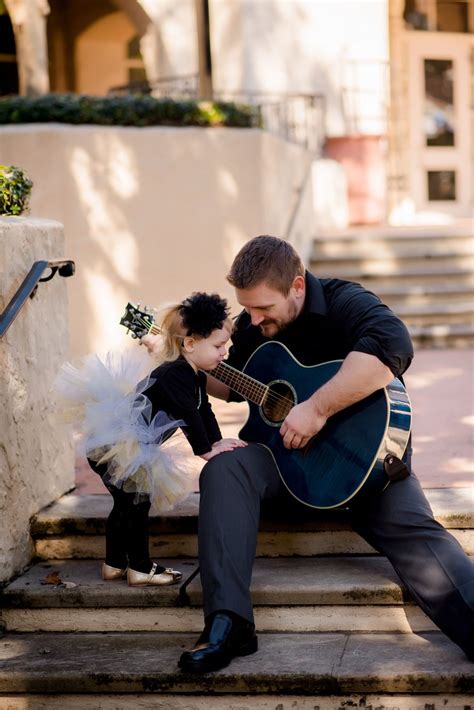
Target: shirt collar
[314, 299]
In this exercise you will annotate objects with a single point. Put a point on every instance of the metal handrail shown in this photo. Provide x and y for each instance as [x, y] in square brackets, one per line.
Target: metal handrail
[27, 289]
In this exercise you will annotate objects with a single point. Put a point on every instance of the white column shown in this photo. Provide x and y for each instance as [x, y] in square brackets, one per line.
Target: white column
[29, 25]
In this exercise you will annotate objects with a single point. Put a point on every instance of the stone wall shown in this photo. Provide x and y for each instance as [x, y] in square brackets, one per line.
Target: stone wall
[36, 457]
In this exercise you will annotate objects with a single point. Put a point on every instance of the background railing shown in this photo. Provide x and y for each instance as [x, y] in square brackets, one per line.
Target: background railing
[29, 285]
[298, 118]
[365, 96]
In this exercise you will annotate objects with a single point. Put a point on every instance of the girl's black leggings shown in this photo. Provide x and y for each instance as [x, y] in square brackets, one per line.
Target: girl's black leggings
[126, 529]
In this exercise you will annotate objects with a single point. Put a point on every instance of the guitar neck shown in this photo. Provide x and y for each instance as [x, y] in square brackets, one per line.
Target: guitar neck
[250, 389]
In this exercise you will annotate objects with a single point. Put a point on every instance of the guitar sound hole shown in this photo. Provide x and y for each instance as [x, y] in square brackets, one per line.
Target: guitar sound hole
[278, 401]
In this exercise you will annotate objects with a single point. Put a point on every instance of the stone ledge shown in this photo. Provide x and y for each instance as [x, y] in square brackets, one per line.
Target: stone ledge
[75, 514]
[166, 701]
[269, 544]
[283, 619]
[286, 663]
[280, 581]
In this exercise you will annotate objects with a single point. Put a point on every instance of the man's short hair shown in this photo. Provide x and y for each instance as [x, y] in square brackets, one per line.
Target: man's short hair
[268, 260]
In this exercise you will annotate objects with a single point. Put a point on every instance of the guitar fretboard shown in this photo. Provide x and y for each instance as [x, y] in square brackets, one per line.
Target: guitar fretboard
[249, 388]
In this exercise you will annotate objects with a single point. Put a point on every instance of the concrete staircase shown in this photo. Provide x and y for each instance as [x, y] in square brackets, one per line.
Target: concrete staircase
[425, 274]
[335, 627]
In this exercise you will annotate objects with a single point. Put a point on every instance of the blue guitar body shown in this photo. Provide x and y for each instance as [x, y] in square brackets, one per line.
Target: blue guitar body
[346, 457]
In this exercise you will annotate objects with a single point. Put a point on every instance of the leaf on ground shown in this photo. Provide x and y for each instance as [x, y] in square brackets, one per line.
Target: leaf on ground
[52, 578]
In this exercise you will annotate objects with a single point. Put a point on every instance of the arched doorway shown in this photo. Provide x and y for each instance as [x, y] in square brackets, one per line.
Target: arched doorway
[107, 55]
[94, 45]
[8, 59]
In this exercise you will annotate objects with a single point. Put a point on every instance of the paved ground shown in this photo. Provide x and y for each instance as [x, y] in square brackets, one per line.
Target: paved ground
[441, 387]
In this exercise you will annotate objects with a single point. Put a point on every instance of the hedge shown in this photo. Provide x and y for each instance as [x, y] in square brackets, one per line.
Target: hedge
[131, 110]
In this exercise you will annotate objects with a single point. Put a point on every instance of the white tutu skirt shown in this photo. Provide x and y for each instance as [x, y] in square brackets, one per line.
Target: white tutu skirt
[103, 400]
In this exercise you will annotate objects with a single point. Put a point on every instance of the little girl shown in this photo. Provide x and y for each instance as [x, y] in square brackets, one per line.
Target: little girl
[125, 428]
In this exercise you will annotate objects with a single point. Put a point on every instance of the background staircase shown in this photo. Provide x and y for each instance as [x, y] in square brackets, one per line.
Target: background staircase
[336, 630]
[425, 274]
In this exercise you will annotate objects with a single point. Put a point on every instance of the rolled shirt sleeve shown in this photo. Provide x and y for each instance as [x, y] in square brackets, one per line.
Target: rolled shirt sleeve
[369, 326]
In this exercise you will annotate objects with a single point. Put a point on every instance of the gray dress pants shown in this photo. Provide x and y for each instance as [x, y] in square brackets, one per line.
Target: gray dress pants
[399, 523]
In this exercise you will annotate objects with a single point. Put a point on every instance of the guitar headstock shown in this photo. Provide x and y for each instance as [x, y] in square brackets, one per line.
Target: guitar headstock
[139, 321]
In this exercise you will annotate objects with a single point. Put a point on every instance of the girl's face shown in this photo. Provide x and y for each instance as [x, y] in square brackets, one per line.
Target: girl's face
[207, 353]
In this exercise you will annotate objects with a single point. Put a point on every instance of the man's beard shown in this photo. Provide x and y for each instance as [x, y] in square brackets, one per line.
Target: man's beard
[280, 325]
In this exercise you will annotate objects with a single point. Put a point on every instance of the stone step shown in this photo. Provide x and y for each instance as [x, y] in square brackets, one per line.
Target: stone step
[87, 514]
[421, 246]
[397, 265]
[226, 701]
[461, 312]
[374, 279]
[74, 527]
[294, 664]
[389, 263]
[443, 336]
[297, 544]
[426, 294]
[432, 234]
[308, 594]
[389, 249]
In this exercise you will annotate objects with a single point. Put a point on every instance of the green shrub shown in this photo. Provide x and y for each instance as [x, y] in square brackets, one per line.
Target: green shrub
[131, 110]
[15, 189]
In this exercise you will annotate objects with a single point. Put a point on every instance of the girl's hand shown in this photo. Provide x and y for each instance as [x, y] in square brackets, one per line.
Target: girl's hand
[223, 445]
[151, 342]
[232, 443]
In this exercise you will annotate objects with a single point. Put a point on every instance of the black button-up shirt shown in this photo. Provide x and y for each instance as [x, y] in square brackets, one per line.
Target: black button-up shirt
[338, 317]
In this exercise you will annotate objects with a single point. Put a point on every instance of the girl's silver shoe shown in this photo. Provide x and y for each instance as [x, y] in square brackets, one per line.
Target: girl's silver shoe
[110, 573]
[142, 579]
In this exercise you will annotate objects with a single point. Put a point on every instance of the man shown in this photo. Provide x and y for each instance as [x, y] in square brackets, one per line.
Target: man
[318, 320]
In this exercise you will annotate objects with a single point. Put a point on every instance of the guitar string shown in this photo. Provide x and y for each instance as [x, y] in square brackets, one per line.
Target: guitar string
[236, 377]
[254, 389]
[229, 378]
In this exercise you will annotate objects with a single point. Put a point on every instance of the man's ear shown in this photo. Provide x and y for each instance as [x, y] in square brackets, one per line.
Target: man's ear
[299, 285]
[188, 344]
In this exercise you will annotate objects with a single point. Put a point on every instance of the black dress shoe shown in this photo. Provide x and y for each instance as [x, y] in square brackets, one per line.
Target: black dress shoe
[225, 636]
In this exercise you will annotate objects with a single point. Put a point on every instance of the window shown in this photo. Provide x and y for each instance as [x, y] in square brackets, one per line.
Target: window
[439, 102]
[439, 15]
[452, 16]
[134, 61]
[441, 185]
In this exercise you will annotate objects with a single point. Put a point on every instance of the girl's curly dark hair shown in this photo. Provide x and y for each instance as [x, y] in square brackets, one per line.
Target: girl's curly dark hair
[203, 312]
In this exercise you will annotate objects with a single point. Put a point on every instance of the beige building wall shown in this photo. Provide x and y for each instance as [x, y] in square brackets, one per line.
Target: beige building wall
[176, 26]
[152, 214]
[36, 457]
[338, 48]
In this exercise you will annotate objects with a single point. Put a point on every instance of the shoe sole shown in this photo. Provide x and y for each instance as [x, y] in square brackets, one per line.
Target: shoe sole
[245, 650]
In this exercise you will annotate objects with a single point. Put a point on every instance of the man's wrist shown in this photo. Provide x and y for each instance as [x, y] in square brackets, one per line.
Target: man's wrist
[320, 405]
